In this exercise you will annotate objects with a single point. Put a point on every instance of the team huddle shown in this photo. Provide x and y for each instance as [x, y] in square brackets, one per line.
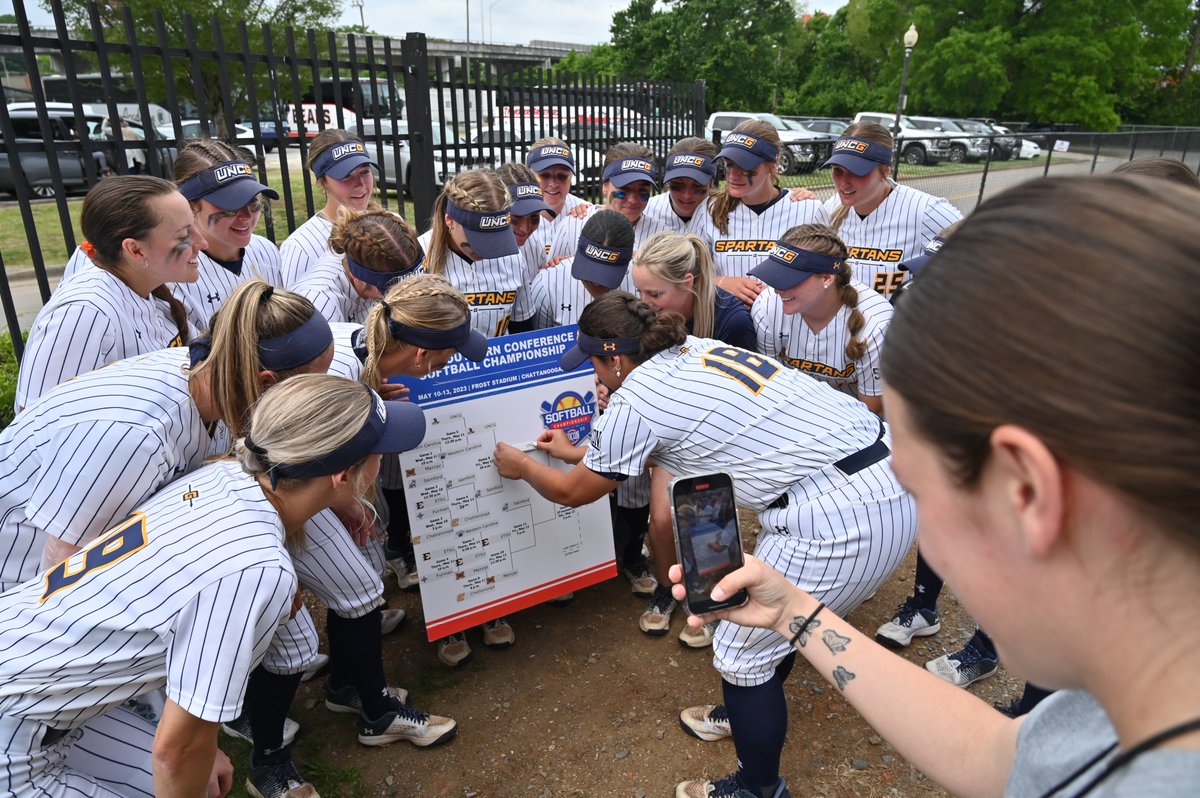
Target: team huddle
[208, 424]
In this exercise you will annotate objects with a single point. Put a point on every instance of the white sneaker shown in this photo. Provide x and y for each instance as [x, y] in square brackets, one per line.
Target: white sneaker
[498, 634]
[390, 620]
[909, 621]
[454, 650]
[708, 722]
[699, 637]
[656, 620]
[419, 728]
[406, 575]
[315, 668]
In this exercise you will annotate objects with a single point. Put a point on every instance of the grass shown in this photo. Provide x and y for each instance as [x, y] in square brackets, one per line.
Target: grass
[8, 379]
[336, 782]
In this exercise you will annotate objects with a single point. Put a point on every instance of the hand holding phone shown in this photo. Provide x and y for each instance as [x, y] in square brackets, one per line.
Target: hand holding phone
[708, 542]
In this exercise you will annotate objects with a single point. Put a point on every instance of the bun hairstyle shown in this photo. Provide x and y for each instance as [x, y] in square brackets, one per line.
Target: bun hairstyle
[121, 207]
[378, 239]
[823, 240]
[671, 257]
[994, 311]
[254, 312]
[608, 228]
[428, 301]
[479, 190]
[876, 134]
[619, 314]
[721, 204]
[513, 173]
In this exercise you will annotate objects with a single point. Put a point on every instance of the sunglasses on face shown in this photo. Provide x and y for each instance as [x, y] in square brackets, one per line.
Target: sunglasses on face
[643, 195]
[253, 206]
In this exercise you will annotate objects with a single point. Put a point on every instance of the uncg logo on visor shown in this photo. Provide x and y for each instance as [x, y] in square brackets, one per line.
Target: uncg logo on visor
[640, 166]
[741, 139]
[687, 160]
[232, 171]
[570, 413]
[603, 255]
[780, 253]
[491, 222]
[353, 148]
[380, 410]
[529, 191]
[851, 144]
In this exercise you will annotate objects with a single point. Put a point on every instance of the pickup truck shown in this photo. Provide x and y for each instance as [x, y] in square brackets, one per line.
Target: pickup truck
[803, 150]
[917, 147]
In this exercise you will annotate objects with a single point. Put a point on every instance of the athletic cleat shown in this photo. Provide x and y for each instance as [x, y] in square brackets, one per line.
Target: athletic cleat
[316, 668]
[563, 600]
[641, 581]
[909, 621]
[345, 700]
[454, 650]
[707, 722]
[656, 620]
[498, 634]
[239, 727]
[698, 637]
[279, 780]
[406, 573]
[728, 787]
[963, 668]
[419, 728]
[390, 620]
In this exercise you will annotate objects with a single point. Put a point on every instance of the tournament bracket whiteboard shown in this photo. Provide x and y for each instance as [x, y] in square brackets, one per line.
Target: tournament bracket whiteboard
[487, 546]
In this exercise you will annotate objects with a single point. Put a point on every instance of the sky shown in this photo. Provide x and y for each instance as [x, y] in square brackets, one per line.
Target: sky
[507, 21]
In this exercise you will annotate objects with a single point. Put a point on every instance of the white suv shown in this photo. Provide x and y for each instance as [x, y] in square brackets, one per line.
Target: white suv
[916, 146]
[803, 150]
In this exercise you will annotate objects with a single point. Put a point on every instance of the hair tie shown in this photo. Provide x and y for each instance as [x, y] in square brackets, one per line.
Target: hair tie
[263, 460]
[266, 294]
[88, 249]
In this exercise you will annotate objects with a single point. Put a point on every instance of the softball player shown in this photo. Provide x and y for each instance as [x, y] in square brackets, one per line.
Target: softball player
[690, 173]
[891, 222]
[551, 160]
[744, 219]
[528, 206]
[813, 462]
[141, 234]
[471, 243]
[370, 251]
[829, 327]
[218, 539]
[629, 182]
[339, 161]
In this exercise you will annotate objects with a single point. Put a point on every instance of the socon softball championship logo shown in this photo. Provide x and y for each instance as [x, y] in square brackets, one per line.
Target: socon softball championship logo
[570, 413]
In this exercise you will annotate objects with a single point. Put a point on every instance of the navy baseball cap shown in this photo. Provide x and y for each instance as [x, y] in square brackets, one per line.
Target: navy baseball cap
[229, 185]
[600, 264]
[470, 343]
[489, 234]
[858, 155]
[587, 346]
[542, 158]
[698, 167]
[747, 151]
[528, 199]
[341, 159]
[625, 171]
[786, 266]
[916, 263]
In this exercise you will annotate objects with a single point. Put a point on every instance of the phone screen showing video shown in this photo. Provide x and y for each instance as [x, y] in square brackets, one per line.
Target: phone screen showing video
[709, 544]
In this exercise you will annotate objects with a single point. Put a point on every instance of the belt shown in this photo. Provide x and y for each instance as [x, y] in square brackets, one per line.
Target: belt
[850, 464]
[53, 735]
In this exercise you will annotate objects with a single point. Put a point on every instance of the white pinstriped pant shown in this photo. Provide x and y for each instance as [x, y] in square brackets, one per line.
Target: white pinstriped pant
[839, 538]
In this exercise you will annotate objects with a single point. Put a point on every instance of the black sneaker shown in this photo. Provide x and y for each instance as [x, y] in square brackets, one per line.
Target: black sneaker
[656, 620]
[641, 581]
[279, 780]
[419, 728]
[728, 787]
[345, 699]
[963, 668]
[239, 727]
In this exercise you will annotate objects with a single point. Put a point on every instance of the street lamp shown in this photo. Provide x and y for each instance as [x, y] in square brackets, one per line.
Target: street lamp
[910, 41]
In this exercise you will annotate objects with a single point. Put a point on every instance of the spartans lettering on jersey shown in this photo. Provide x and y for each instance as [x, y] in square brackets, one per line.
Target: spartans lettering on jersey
[875, 255]
[820, 369]
[489, 298]
[570, 413]
[743, 245]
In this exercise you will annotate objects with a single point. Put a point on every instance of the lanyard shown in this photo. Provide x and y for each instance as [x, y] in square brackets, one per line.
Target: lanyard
[1122, 759]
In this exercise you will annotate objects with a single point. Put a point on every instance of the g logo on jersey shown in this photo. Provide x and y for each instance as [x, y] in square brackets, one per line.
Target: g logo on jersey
[570, 413]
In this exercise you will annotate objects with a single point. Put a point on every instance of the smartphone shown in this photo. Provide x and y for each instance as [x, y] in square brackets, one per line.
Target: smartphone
[708, 542]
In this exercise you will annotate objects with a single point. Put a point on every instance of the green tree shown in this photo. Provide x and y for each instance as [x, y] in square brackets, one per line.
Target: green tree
[601, 60]
[224, 16]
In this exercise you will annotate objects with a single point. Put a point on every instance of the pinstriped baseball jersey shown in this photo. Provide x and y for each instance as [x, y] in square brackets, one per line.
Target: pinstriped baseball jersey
[85, 454]
[706, 406]
[186, 593]
[329, 288]
[76, 263]
[558, 298]
[660, 208]
[548, 229]
[822, 353]
[307, 244]
[205, 296]
[92, 320]
[751, 235]
[567, 240]
[533, 254]
[892, 233]
[346, 360]
[490, 286]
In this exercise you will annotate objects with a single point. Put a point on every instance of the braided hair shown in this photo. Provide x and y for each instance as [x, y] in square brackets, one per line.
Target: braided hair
[479, 190]
[427, 300]
[378, 239]
[823, 240]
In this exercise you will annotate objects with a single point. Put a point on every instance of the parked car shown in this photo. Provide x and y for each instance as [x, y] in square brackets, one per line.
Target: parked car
[1004, 143]
[1029, 149]
[451, 154]
[916, 146]
[243, 134]
[803, 150]
[832, 126]
[589, 141]
[964, 148]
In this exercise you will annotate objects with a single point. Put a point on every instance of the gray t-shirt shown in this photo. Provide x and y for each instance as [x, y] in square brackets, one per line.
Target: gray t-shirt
[1070, 728]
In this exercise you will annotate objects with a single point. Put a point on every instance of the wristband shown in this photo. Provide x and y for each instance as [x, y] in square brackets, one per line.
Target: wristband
[801, 628]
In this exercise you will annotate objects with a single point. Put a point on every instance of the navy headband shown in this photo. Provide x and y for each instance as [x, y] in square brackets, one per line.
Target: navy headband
[302, 345]
[802, 260]
[623, 171]
[481, 222]
[382, 280]
[341, 159]
[608, 346]
[737, 143]
[427, 338]
[228, 185]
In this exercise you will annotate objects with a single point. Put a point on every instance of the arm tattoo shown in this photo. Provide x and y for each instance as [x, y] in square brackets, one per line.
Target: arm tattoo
[842, 677]
[834, 641]
[794, 626]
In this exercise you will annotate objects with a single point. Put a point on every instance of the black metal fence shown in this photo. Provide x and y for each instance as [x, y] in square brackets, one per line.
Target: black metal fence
[423, 118]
